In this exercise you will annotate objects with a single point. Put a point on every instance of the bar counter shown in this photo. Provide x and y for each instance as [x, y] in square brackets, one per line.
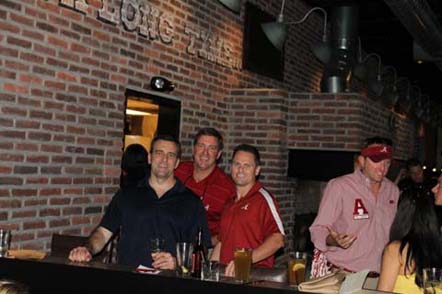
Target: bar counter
[59, 275]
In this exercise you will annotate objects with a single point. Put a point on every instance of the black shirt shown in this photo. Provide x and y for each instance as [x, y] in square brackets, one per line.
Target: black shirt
[141, 216]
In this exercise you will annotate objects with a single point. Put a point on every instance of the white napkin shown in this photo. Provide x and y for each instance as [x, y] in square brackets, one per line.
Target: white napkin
[146, 270]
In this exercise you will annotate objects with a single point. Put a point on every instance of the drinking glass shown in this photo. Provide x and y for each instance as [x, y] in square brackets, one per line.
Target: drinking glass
[156, 245]
[243, 264]
[432, 280]
[296, 268]
[184, 257]
[5, 241]
[210, 271]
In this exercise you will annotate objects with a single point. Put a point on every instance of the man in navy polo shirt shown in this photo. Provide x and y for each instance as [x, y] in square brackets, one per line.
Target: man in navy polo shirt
[163, 208]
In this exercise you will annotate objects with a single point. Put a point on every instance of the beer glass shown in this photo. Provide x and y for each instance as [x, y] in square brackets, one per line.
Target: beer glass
[156, 245]
[210, 271]
[296, 268]
[432, 280]
[5, 240]
[243, 264]
[184, 257]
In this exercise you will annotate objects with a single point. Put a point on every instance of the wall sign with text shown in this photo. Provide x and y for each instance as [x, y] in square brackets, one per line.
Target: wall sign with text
[154, 24]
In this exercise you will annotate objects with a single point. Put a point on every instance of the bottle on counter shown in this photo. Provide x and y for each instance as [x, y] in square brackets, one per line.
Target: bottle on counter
[198, 255]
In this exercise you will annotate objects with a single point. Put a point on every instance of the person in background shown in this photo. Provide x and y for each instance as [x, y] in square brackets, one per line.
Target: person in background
[162, 208]
[206, 179]
[412, 176]
[134, 165]
[252, 219]
[437, 191]
[415, 243]
[355, 214]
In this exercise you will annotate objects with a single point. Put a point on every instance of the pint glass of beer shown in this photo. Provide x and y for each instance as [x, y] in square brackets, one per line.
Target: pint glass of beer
[243, 264]
[296, 268]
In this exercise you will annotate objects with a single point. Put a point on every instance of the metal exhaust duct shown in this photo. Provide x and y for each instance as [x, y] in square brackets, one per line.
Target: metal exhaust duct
[344, 30]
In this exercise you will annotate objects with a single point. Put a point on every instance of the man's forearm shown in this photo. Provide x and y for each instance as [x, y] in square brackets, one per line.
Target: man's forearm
[98, 239]
[270, 246]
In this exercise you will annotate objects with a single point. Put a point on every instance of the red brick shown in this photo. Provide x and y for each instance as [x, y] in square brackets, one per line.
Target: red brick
[15, 203]
[59, 223]
[49, 212]
[24, 192]
[9, 28]
[34, 225]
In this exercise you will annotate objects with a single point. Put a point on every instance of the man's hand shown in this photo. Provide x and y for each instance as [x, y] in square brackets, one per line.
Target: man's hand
[80, 254]
[230, 269]
[339, 240]
[163, 260]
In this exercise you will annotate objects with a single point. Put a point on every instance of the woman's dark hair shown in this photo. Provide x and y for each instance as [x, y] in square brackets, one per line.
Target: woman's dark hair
[416, 225]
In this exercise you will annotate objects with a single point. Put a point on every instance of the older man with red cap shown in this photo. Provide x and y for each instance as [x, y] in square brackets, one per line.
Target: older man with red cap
[356, 211]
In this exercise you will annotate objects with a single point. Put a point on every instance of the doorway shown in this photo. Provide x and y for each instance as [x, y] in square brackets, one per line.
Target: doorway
[149, 114]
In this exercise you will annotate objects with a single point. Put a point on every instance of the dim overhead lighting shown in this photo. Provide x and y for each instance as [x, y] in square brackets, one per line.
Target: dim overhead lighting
[276, 32]
[161, 84]
[434, 170]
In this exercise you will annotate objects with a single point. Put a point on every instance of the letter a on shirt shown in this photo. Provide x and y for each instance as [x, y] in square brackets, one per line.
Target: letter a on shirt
[359, 210]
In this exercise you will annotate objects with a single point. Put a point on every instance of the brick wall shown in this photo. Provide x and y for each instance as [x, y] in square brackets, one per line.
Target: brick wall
[63, 74]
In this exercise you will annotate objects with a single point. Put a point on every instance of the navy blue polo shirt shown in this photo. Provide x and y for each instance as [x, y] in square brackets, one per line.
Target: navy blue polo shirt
[141, 215]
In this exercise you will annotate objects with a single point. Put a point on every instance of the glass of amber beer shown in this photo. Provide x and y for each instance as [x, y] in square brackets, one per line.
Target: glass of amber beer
[296, 268]
[243, 264]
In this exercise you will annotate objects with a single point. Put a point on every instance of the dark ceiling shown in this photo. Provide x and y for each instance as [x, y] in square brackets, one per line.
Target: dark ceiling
[383, 33]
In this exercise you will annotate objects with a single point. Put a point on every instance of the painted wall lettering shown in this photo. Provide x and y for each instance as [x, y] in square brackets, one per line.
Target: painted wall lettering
[151, 23]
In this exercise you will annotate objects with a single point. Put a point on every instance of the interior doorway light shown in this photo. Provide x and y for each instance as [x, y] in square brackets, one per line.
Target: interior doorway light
[137, 112]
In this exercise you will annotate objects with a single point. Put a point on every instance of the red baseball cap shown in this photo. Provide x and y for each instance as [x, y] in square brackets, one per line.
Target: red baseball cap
[378, 152]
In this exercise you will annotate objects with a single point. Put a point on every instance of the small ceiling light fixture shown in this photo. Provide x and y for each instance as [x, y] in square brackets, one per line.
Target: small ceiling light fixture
[276, 32]
[161, 84]
[234, 5]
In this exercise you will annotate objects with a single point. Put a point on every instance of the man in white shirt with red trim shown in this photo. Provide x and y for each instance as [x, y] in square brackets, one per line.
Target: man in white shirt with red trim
[252, 219]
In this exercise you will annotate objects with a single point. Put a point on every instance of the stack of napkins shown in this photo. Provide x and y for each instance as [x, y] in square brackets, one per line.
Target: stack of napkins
[328, 284]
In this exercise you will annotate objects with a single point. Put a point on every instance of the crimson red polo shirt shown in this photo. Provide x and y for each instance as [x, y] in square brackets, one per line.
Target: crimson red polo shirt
[248, 222]
[215, 191]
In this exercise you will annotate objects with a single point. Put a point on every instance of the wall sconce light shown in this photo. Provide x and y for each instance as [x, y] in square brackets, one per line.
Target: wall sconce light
[360, 71]
[390, 89]
[161, 84]
[276, 32]
[234, 5]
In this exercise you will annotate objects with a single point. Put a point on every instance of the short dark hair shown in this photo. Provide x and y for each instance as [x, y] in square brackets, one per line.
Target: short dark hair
[412, 162]
[377, 140]
[209, 132]
[250, 149]
[167, 138]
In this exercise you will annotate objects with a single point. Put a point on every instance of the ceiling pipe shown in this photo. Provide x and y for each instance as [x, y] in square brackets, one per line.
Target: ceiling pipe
[421, 22]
